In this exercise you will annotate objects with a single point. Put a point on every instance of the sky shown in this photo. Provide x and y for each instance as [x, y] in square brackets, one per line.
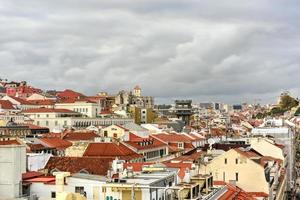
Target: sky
[210, 50]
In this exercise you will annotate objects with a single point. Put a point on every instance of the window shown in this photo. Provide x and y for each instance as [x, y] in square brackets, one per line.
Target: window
[65, 123]
[47, 123]
[225, 161]
[38, 123]
[105, 133]
[180, 145]
[53, 194]
[38, 115]
[224, 176]
[47, 115]
[236, 161]
[79, 189]
[115, 135]
[56, 123]
[237, 176]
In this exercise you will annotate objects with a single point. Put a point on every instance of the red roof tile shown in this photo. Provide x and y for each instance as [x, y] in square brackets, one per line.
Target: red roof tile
[55, 143]
[34, 127]
[44, 102]
[7, 105]
[31, 174]
[78, 136]
[98, 166]
[69, 94]
[172, 137]
[42, 179]
[21, 101]
[110, 150]
[234, 192]
[142, 143]
[10, 142]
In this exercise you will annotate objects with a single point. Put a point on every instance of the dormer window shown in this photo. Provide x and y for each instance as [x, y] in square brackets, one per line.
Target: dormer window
[181, 145]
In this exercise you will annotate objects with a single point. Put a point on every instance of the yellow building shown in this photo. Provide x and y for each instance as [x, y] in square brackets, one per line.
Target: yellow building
[137, 91]
[266, 147]
[236, 165]
[142, 115]
[114, 131]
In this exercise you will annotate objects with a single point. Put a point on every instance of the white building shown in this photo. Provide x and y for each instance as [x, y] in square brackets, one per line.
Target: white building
[12, 165]
[284, 136]
[85, 107]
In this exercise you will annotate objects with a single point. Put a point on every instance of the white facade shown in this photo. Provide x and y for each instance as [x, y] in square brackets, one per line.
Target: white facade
[86, 108]
[12, 165]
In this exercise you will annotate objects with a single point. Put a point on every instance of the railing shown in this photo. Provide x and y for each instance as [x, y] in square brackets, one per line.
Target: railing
[215, 194]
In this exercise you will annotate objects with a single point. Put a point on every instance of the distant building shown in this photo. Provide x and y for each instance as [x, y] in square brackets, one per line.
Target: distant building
[183, 110]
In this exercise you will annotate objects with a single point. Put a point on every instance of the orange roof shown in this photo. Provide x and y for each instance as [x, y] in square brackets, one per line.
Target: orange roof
[69, 94]
[10, 142]
[248, 153]
[173, 137]
[41, 179]
[72, 136]
[110, 150]
[5, 104]
[47, 110]
[31, 174]
[234, 192]
[33, 126]
[21, 101]
[42, 102]
[258, 194]
[142, 143]
[98, 166]
[55, 143]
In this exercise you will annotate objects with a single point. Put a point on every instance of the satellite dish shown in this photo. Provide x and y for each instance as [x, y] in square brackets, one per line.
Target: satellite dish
[211, 141]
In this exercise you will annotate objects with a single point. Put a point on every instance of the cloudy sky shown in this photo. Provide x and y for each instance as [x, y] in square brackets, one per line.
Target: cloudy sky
[208, 50]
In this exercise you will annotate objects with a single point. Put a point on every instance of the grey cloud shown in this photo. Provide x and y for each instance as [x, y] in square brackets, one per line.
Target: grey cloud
[207, 50]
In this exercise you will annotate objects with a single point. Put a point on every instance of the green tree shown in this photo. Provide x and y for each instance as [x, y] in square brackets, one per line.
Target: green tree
[287, 102]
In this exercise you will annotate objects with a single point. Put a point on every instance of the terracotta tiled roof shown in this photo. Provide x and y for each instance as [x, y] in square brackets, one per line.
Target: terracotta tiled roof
[194, 157]
[34, 127]
[78, 136]
[7, 105]
[172, 137]
[234, 192]
[55, 143]
[48, 110]
[110, 150]
[41, 179]
[258, 194]
[45, 102]
[69, 94]
[98, 166]
[142, 143]
[31, 174]
[37, 147]
[52, 135]
[21, 101]
[10, 142]
[248, 153]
